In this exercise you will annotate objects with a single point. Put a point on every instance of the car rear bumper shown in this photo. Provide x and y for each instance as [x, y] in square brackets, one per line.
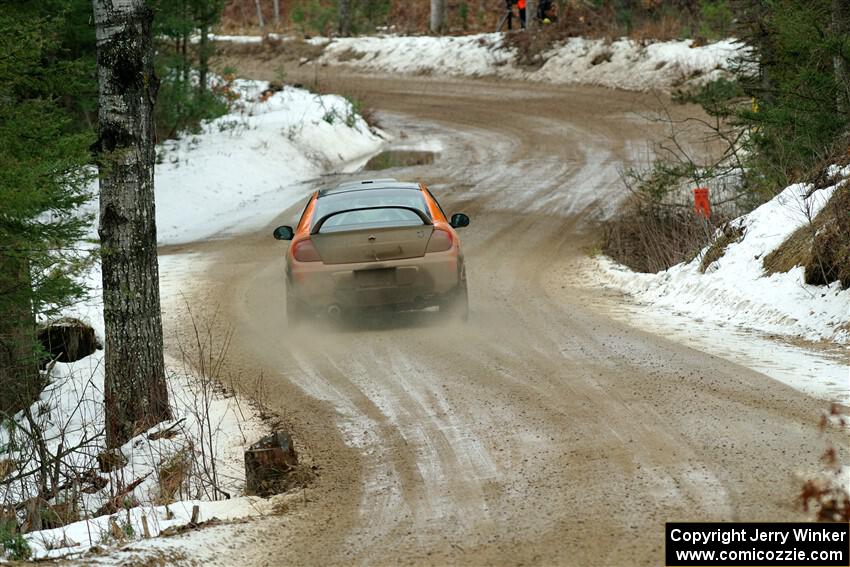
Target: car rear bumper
[415, 282]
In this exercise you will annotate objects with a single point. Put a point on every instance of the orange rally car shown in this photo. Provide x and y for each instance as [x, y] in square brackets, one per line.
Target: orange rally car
[376, 243]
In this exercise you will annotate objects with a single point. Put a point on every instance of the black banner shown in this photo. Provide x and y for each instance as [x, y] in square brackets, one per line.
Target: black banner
[758, 545]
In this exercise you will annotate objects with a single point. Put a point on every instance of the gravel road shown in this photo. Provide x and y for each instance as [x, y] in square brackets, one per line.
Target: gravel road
[543, 432]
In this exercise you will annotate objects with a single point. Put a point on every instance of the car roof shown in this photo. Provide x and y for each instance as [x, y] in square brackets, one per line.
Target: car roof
[367, 185]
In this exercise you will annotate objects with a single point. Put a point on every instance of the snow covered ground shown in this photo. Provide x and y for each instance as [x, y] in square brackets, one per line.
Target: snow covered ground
[70, 412]
[238, 173]
[623, 64]
[735, 293]
[246, 167]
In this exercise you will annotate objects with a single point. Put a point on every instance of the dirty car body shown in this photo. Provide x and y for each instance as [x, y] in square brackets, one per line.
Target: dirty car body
[374, 244]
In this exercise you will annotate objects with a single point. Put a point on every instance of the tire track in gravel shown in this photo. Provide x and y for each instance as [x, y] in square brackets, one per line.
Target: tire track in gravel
[543, 432]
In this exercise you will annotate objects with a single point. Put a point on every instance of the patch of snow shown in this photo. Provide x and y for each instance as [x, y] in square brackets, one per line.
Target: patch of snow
[70, 413]
[820, 375]
[90, 309]
[471, 55]
[630, 65]
[240, 39]
[80, 537]
[735, 292]
[248, 166]
[623, 64]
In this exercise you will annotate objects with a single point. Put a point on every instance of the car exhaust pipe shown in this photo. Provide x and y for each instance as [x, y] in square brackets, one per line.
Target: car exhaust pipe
[334, 312]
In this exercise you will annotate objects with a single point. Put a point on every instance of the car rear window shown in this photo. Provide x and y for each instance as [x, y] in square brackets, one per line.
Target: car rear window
[376, 217]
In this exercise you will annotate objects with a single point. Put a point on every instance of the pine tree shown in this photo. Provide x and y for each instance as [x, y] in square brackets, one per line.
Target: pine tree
[43, 181]
[184, 99]
[205, 14]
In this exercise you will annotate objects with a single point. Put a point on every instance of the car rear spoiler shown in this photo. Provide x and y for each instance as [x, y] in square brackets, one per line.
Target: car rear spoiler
[425, 219]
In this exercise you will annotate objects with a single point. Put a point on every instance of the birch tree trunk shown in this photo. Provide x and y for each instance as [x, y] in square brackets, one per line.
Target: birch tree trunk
[277, 14]
[438, 16]
[344, 18]
[841, 30]
[135, 388]
[531, 15]
[260, 21]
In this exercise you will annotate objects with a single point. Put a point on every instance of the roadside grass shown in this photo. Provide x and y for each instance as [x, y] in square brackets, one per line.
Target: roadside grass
[726, 236]
[173, 475]
[831, 242]
[350, 54]
[822, 246]
[795, 251]
[650, 237]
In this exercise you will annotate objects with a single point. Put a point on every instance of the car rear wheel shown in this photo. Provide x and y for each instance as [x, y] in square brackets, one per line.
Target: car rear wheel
[456, 305]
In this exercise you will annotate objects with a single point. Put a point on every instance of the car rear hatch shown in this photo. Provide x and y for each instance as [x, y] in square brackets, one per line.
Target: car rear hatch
[373, 245]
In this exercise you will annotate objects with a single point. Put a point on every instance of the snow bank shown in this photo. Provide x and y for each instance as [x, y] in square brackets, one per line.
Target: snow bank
[70, 413]
[623, 64]
[81, 537]
[630, 65]
[250, 165]
[735, 290]
[470, 55]
[247, 167]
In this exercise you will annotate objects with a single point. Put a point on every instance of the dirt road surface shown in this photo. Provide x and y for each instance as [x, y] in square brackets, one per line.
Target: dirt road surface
[543, 432]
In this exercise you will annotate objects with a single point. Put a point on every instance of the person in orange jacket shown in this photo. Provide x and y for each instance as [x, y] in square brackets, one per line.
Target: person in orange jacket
[521, 7]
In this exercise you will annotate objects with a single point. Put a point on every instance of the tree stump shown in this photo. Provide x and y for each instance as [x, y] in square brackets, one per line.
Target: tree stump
[67, 340]
[267, 464]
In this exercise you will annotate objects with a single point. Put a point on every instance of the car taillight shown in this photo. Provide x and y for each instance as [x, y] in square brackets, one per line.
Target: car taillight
[305, 251]
[441, 240]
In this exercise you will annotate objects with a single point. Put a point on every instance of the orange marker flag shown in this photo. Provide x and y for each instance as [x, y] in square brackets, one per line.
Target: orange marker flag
[702, 204]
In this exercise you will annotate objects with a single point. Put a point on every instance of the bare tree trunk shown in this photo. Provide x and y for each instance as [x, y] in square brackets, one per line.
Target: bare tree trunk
[438, 16]
[135, 388]
[841, 29]
[260, 21]
[277, 14]
[243, 13]
[204, 56]
[531, 15]
[345, 18]
[184, 48]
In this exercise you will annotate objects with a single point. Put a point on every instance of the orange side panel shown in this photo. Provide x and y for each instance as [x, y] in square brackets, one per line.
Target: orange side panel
[433, 208]
[303, 228]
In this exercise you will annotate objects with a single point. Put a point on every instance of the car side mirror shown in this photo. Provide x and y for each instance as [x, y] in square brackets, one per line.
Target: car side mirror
[459, 220]
[284, 233]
